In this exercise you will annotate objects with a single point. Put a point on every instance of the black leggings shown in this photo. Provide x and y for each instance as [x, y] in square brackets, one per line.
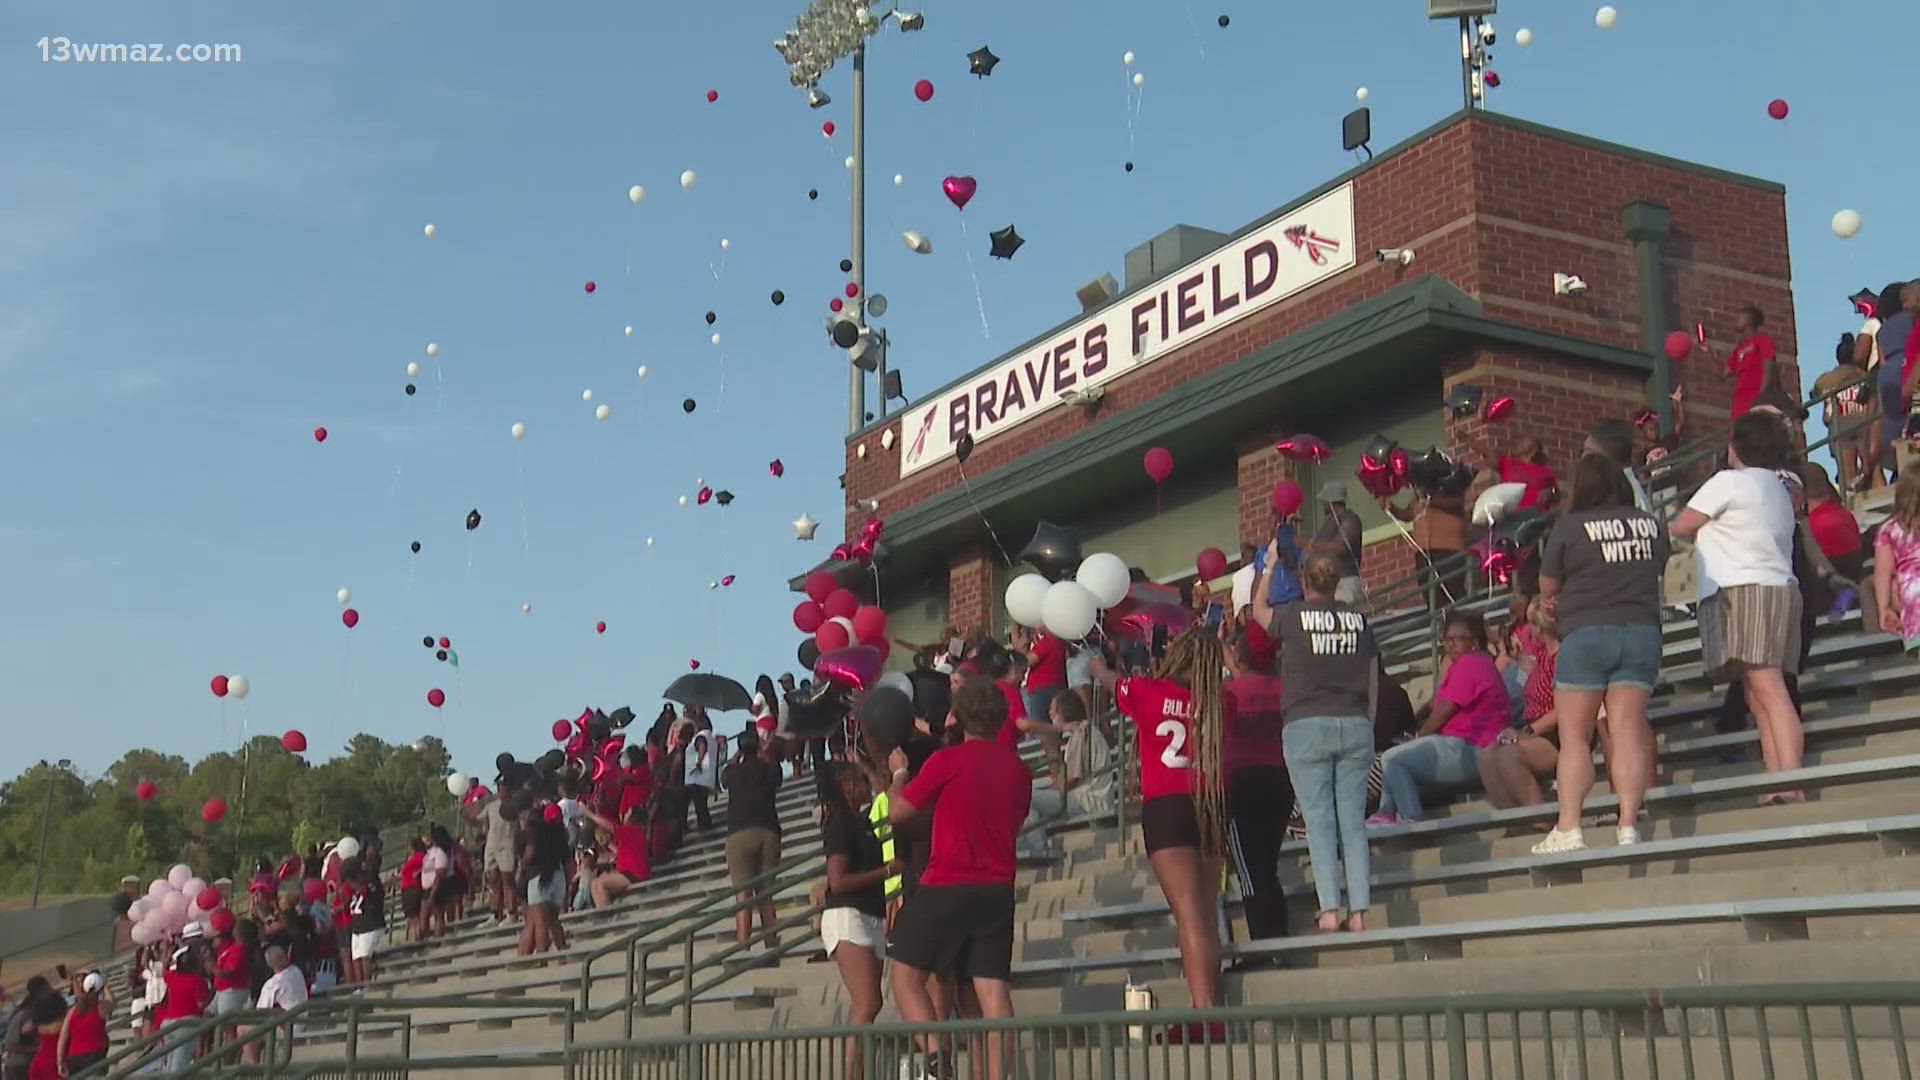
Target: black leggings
[1259, 799]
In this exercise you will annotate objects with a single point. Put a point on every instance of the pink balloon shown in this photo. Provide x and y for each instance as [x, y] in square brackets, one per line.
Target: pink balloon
[319, 434]
[294, 741]
[820, 585]
[1497, 410]
[1303, 448]
[841, 604]
[591, 286]
[959, 190]
[827, 129]
[1777, 108]
[1211, 563]
[1679, 345]
[853, 668]
[219, 686]
[350, 617]
[807, 617]
[1159, 463]
[1136, 619]
[1288, 498]
[436, 697]
[923, 90]
[831, 637]
[870, 625]
[561, 729]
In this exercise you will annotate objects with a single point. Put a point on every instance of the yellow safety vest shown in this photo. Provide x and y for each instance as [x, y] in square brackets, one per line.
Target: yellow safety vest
[883, 831]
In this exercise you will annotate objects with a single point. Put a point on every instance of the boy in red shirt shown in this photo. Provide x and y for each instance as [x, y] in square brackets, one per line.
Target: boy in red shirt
[1750, 365]
[959, 922]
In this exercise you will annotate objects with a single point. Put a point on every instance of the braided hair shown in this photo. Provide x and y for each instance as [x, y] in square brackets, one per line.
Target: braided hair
[1195, 660]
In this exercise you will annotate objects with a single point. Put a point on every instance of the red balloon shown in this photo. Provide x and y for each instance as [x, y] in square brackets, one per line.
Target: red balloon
[855, 667]
[807, 617]
[1493, 80]
[827, 129]
[1401, 465]
[873, 529]
[350, 617]
[319, 434]
[1679, 345]
[1288, 498]
[561, 729]
[208, 899]
[1212, 563]
[213, 811]
[870, 625]
[294, 742]
[221, 921]
[778, 470]
[831, 637]
[1777, 108]
[841, 604]
[713, 96]
[726, 581]
[599, 628]
[705, 496]
[219, 685]
[862, 549]
[551, 813]
[852, 290]
[959, 190]
[446, 643]
[1303, 448]
[836, 304]
[436, 697]
[591, 286]
[842, 552]
[145, 790]
[1497, 410]
[820, 585]
[923, 90]
[1159, 463]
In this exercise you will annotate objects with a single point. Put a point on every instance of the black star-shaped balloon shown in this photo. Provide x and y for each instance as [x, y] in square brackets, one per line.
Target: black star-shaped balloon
[981, 60]
[723, 497]
[1005, 242]
[473, 520]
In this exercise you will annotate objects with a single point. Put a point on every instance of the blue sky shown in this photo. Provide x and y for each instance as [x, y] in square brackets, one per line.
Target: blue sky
[201, 263]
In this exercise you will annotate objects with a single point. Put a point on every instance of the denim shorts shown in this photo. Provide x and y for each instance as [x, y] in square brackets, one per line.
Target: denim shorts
[1596, 658]
[552, 890]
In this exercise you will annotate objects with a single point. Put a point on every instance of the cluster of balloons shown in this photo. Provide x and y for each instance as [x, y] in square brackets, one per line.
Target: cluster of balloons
[174, 901]
[836, 618]
[867, 548]
[1067, 607]
[234, 686]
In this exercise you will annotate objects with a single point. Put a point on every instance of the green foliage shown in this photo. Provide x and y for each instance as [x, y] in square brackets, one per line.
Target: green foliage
[98, 829]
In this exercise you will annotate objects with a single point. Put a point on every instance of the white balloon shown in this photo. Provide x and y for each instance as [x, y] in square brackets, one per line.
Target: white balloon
[1024, 597]
[586, 395]
[413, 367]
[458, 784]
[433, 348]
[847, 624]
[1106, 576]
[174, 905]
[635, 195]
[157, 889]
[1497, 502]
[683, 499]
[179, 875]
[1524, 37]
[348, 847]
[849, 161]
[238, 686]
[1139, 79]
[683, 502]
[519, 430]
[344, 595]
[145, 935]
[137, 910]
[526, 609]
[1128, 58]
[1068, 610]
[629, 331]
[1846, 224]
[194, 887]
[1361, 94]
[917, 242]
[1606, 17]
[715, 339]
[431, 230]
[688, 179]
[643, 371]
[725, 243]
[603, 412]
[898, 179]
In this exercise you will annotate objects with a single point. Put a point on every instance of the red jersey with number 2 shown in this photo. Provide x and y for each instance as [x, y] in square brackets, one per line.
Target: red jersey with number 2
[1162, 714]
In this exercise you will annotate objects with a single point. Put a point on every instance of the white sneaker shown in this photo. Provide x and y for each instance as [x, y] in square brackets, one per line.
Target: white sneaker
[1627, 835]
[1561, 843]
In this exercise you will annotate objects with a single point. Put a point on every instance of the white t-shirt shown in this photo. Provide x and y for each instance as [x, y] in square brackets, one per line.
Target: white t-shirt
[702, 772]
[570, 811]
[285, 989]
[1243, 582]
[1748, 539]
[433, 868]
[1871, 329]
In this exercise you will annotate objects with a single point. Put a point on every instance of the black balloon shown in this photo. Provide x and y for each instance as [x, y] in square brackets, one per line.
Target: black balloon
[1429, 469]
[439, 654]
[711, 317]
[963, 447]
[1129, 166]
[473, 520]
[1224, 20]
[416, 547]
[813, 193]
[1053, 551]
[808, 653]
[503, 763]
[845, 333]
[886, 716]
[1458, 479]
[598, 726]
[1380, 449]
[723, 497]
[1005, 242]
[779, 298]
[551, 761]
[814, 711]
[1466, 400]
[846, 266]
[980, 61]
[687, 405]
[932, 696]
[409, 389]
[427, 642]
[620, 718]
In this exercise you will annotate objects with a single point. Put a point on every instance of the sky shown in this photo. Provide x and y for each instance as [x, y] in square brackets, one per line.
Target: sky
[202, 263]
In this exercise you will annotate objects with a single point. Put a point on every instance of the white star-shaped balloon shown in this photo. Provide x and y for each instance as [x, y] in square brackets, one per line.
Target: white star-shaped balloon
[804, 526]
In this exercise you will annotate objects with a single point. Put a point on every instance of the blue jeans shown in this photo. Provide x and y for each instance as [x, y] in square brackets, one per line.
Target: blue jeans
[1434, 761]
[1328, 758]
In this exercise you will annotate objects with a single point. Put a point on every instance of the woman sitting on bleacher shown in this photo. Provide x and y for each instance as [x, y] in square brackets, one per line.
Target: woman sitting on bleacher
[1468, 713]
[1512, 768]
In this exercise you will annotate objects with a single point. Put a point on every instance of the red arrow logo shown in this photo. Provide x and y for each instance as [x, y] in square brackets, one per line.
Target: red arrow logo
[1315, 245]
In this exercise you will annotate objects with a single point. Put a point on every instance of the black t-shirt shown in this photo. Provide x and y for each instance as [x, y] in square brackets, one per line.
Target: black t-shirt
[913, 841]
[1326, 658]
[549, 840]
[367, 911]
[1343, 528]
[1608, 562]
[849, 834]
[751, 787]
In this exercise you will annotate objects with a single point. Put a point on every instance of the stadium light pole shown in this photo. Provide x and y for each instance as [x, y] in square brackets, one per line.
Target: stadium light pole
[827, 32]
[46, 815]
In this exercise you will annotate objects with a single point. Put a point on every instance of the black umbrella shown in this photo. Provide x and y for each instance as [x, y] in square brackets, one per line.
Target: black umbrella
[715, 692]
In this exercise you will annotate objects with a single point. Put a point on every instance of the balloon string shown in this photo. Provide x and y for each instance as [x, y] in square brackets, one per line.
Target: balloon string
[723, 393]
[1195, 27]
[440, 388]
[967, 485]
[978, 300]
[522, 461]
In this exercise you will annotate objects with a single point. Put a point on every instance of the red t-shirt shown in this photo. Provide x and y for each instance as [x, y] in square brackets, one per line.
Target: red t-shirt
[1253, 734]
[230, 969]
[983, 792]
[1748, 364]
[1009, 736]
[1161, 712]
[1047, 666]
[630, 852]
[86, 1032]
[1538, 478]
[638, 790]
[410, 870]
[187, 995]
[1834, 528]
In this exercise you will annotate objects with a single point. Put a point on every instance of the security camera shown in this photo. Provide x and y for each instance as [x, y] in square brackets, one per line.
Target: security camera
[1568, 285]
[1403, 256]
[1486, 32]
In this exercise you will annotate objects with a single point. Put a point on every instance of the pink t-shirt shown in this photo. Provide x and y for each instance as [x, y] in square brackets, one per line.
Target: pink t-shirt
[1474, 684]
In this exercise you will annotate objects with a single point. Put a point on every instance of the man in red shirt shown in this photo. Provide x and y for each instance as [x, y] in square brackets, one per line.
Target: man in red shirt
[1750, 365]
[959, 921]
[1046, 668]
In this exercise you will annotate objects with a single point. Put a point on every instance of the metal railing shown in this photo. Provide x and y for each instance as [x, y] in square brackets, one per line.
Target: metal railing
[1821, 1032]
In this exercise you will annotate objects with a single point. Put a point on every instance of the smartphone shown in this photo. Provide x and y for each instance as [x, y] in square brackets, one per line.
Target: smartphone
[1215, 614]
[956, 646]
[1159, 641]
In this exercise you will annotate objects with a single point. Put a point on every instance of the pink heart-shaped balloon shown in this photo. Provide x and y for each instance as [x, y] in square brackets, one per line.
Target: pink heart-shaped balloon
[959, 190]
[694, 664]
